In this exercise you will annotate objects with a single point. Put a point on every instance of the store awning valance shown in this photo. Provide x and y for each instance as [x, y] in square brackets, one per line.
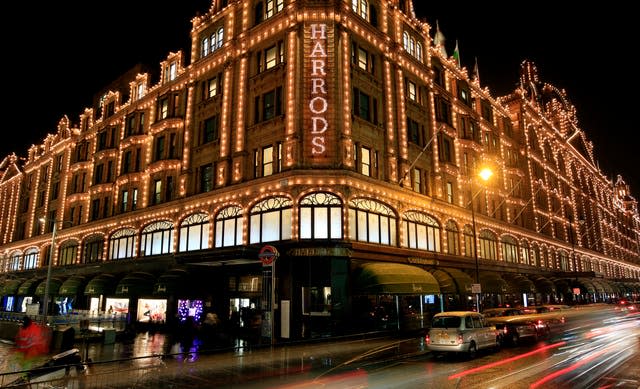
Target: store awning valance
[394, 278]
[72, 286]
[102, 284]
[543, 284]
[585, 285]
[54, 287]
[10, 287]
[452, 281]
[519, 283]
[172, 282]
[136, 284]
[28, 287]
[493, 283]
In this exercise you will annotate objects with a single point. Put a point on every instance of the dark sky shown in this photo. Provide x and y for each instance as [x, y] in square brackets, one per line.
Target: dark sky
[57, 66]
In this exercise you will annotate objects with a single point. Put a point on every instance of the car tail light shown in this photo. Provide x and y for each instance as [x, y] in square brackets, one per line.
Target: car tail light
[460, 339]
[427, 339]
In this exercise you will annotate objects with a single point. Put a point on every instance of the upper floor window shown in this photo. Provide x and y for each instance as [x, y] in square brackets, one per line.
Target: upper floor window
[212, 42]
[229, 226]
[157, 238]
[122, 244]
[509, 249]
[412, 91]
[443, 110]
[206, 178]
[361, 7]
[371, 221]
[194, 232]
[268, 105]
[464, 94]
[270, 57]
[68, 253]
[268, 160]
[263, 10]
[321, 216]
[411, 45]
[445, 145]
[209, 129]
[30, 259]
[364, 106]
[92, 249]
[15, 261]
[488, 245]
[362, 58]
[421, 231]
[170, 105]
[270, 220]
[453, 244]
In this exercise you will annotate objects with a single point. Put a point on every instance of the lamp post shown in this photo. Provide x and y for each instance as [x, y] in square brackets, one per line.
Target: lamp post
[485, 174]
[45, 309]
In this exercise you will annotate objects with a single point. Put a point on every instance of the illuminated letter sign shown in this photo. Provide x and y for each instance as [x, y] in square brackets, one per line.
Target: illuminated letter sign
[318, 97]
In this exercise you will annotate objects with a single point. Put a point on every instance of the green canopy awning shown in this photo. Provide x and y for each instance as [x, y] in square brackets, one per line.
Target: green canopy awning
[28, 287]
[585, 286]
[604, 285]
[54, 287]
[72, 286]
[394, 278]
[173, 282]
[102, 284]
[493, 283]
[136, 284]
[543, 284]
[452, 281]
[562, 286]
[519, 283]
[10, 287]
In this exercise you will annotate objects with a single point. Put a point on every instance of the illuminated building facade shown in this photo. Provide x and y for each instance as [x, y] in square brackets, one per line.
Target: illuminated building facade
[338, 134]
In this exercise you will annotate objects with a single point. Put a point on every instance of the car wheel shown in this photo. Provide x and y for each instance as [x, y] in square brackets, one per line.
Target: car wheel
[473, 351]
[515, 339]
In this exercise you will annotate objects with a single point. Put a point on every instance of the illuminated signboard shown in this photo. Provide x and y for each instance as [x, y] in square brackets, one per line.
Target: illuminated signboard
[318, 111]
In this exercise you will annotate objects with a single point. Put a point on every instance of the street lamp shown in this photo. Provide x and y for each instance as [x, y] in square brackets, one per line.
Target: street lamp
[45, 308]
[485, 174]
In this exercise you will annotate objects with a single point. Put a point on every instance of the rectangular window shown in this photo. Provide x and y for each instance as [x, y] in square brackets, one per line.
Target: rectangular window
[212, 87]
[269, 109]
[168, 192]
[124, 201]
[366, 161]
[361, 104]
[164, 108]
[157, 192]
[134, 199]
[413, 130]
[449, 192]
[95, 209]
[105, 208]
[412, 91]
[270, 57]
[267, 161]
[417, 180]
[206, 178]
[363, 59]
[159, 150]
[97, 177]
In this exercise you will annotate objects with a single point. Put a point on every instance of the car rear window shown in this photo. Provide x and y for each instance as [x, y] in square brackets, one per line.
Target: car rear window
[446, 322]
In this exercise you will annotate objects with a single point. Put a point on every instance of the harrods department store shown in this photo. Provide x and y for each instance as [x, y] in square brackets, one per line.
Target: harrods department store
[314, 161]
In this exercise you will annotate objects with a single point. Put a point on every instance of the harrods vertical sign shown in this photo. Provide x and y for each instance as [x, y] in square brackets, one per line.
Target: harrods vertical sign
[319, 107]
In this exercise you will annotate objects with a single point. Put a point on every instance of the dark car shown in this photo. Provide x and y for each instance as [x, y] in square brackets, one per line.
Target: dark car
[514, 330]
[501, 312]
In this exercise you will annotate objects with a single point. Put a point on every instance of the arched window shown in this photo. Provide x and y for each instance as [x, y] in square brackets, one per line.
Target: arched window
[229, 226]
[453, 240]
[421, 232]
[405, 41]
[194, 232]
[524, 253]
[371, 221]
[122, 244]
[564, 260]
[68, 253]
[157, 238]
[271, 220]
[320, 216]
[93, 248]
[220, 37]
[468, 241]
[509, 249]
[30, 259]
[488, 245]
[419, 51]
[14, 261]
[535, 258]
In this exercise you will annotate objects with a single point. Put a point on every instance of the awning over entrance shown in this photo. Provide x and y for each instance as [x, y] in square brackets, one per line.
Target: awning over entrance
[28, 287]
[492, 283]
[452, 281]
[10, 287]
[543, 284]
[394, 278]
[72, 286]
[54, 287]
[136, 284]
[604, 284]
[172, 282]
[585, 286]
[562, 286]
[519, 283]
[101, 284]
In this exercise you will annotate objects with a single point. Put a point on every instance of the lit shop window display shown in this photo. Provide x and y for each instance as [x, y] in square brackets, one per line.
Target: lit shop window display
[189, 308]
[117, 306]
[152, 310]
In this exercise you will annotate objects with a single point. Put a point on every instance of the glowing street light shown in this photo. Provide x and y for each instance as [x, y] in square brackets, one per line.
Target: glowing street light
[484, 174]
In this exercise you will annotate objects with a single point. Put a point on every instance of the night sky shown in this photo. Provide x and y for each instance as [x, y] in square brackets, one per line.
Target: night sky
[58, 66]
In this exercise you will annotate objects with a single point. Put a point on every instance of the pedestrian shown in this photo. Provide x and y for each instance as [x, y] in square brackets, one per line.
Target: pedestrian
[31, 343]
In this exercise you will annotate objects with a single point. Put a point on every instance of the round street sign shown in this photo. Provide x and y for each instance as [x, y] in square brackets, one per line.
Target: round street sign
[268, 254]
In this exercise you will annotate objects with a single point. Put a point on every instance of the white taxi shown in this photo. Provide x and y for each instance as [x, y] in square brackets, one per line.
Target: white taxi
[461, 332]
